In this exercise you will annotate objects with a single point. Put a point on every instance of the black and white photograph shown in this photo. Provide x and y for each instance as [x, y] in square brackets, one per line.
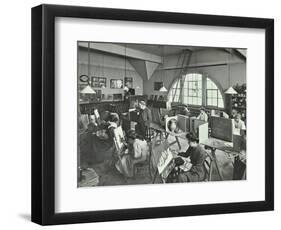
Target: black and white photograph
[159, 114]
[140, 114]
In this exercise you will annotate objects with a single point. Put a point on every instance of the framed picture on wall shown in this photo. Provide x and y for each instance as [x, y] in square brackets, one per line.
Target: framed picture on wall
[243, 50]
[129, 82]
[116, 83]
[102, 82]
[98, 82]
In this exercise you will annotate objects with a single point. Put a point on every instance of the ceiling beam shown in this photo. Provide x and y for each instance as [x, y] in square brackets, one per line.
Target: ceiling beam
[202, 64]
[242, 52]
[144, 68]
[123, 51]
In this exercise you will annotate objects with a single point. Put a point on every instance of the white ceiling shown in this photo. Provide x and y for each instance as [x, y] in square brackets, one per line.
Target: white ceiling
[159, 50]
[162, 50]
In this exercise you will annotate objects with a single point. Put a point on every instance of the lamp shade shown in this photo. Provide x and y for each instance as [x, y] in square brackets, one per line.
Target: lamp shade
[230, 90]
[88, 90]
[163, 89]
[126, 88]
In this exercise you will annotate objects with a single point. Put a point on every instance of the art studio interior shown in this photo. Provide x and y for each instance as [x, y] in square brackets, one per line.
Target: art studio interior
[156, 114]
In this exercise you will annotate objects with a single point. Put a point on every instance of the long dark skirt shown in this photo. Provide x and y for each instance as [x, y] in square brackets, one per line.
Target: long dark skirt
[102, 149]
[192, 175]
[94, 150]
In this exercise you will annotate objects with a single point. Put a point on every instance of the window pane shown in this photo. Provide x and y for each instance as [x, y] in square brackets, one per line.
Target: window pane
[191, 91]
[213, 94]
[221, 103]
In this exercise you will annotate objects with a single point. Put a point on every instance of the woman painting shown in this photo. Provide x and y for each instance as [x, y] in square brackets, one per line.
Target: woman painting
[197, 157]
[203, 115]
[137, 152]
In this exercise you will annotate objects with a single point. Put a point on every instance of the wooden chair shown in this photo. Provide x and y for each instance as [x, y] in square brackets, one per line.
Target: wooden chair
[208, 166]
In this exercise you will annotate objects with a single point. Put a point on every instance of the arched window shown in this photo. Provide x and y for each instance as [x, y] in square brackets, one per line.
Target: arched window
[193, 92]
[213, 95]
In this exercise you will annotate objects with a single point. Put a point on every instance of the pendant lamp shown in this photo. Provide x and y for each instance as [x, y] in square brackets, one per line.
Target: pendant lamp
[163, 89]
[125, 87]
[88, 89]
[230, 90]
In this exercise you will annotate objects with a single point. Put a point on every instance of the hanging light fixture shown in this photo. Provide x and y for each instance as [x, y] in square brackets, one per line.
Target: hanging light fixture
[163, 88]
[230, 90]
[125, 88]
[88, 89]
[103, 86]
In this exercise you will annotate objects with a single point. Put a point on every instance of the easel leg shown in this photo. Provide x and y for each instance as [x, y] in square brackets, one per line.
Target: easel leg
[177, 139]
[210, 171]
[154, 177]
[216, 163]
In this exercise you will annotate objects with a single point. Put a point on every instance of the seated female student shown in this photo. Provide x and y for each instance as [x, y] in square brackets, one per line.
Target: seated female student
[238, 124]
[103, 144]
[137, 152]
[239, 166]
[203, 115]
[197, 157]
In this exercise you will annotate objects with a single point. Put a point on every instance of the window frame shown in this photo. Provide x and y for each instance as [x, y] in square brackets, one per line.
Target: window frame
[204, 91]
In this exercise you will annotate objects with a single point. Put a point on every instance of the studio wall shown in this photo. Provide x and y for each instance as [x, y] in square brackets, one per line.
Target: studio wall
[210, 62]
[108, 66]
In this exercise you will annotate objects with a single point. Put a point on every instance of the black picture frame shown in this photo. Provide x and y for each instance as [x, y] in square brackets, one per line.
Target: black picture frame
[43, 113]
[113, 84]
[98, 82]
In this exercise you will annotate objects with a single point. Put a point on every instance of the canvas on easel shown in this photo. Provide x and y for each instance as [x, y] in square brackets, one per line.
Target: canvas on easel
[119, 138]
[183, 123]
[203, 132]
[221, 128]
